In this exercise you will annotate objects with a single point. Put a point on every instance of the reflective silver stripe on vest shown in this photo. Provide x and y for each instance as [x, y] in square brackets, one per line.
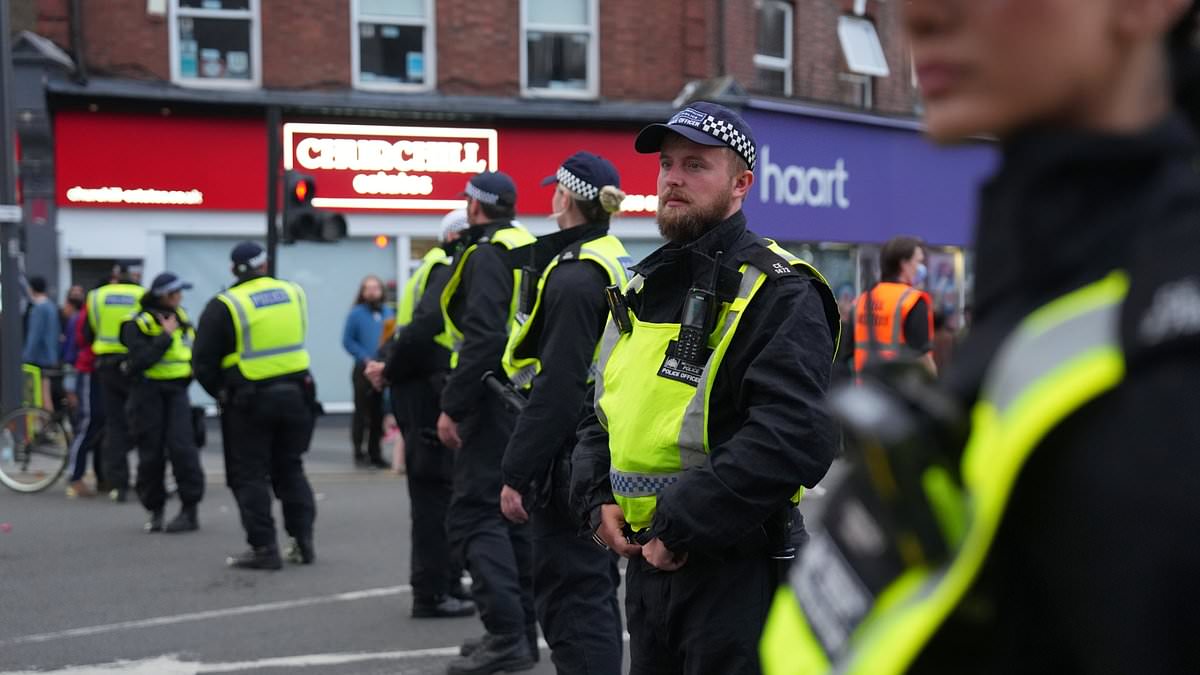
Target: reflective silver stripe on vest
[691, 433]
[525, 375]
[613, 272]
[626, 484]
[248, 352]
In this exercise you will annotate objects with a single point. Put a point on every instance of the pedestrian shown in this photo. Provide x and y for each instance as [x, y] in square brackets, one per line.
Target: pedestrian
[552, 356]
[69, 321]
[250, 356]
[108, 306]
[42, 334]
[1073, 546]
[360, 339]
[416, 366]
[478, 311]
[708, 420]
[88, 438]
[894, 318]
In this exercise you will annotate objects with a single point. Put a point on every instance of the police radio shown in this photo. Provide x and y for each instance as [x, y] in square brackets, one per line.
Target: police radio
[699, 312]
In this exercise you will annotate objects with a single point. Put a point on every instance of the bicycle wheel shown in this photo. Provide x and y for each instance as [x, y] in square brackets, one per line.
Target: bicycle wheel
[34, 448]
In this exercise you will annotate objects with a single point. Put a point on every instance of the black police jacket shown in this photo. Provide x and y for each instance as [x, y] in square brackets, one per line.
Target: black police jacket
[769, 387]
[1094, 569]
[147, 350]
[414, 354]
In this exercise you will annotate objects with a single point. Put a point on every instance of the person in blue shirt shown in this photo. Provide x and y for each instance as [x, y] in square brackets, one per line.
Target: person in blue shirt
[360, 338]
[42, 332]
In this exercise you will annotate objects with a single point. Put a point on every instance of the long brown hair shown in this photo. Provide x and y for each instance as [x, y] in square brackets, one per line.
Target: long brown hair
[360, 299]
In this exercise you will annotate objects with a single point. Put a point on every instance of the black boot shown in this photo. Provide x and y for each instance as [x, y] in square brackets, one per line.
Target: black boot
[499, 653]
[155, 522]
[186, 521]
[257, 558]
[444, 607]
[301, 551]
[472, 645]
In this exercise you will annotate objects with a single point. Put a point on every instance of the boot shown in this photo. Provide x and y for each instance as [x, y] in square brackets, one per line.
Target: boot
[155, 522]
[257, 558]
[499, 653]
[472, 645]
[301, 551]
[186, 521]
[443, 607]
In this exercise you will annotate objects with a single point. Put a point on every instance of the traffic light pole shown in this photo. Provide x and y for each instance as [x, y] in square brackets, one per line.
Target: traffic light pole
[274, 159]
[10, 275]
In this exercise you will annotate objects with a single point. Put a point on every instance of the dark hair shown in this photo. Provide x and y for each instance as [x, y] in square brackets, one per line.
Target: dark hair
[37, 284]
[1185, 63]
[360, 299]
[896, 251]
[495, 212]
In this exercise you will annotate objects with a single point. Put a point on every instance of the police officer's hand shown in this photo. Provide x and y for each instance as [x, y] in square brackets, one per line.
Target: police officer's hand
[656, 553]
[374, 373]
[169, 323]
[612, 532]
[448, 432]
[512, 506]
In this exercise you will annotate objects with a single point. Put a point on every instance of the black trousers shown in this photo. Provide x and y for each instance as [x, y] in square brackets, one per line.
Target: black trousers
[704, 619]
[368, 415]
[160, 419]
[575, 591]
[114, 396]
[89, 431]
[498, 553]
[264, 443]
[433, 571]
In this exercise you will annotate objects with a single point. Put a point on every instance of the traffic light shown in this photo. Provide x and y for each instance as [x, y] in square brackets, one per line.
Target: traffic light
[303, 222]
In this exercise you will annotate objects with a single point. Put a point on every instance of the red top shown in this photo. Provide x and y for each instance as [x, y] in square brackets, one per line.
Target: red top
[83, 362]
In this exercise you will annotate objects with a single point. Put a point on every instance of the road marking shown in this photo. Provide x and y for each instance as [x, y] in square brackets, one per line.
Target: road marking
[352, 596]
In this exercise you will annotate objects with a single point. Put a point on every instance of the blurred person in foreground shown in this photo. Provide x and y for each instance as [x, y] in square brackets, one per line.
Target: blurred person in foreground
[1066, 516]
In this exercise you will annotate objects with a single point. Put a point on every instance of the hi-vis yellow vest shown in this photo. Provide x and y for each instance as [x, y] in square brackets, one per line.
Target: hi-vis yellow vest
[109, 307]
[521, 360]
[1060, 358]
[508, 238]
[654, 407]
[176, 363]
[414, 288]
[270, 319]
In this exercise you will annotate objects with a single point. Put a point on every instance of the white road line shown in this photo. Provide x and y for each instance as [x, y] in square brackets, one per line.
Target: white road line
[209, 614]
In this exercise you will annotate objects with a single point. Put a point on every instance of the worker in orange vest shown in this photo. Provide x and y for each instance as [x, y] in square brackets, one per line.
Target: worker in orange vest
[900, 325]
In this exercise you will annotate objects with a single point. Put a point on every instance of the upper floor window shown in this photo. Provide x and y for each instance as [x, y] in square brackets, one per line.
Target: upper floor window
[215, 43]
[559, 51]
[392, 44]
[773, 56]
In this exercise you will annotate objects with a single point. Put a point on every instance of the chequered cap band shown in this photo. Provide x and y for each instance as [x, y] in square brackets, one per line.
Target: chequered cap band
[729, 135]
[257, 261]
[576, 184]
[482, 195]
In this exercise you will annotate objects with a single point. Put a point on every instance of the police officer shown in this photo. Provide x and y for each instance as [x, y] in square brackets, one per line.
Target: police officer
[899, 324]
[159, 339]
[1068, 516]
[416, 366]
[108, 307]
[707, 418]
[553, 356]
[250, 356]
[478, 308]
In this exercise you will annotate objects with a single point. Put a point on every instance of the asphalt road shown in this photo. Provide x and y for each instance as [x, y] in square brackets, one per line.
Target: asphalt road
[84, 590]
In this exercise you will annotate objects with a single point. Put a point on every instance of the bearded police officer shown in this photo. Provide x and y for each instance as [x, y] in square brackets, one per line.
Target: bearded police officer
[108, 307]
[159, 339]
[707, 419]
[478, 308]
[416, 366]
[552, 355]
[250, 356]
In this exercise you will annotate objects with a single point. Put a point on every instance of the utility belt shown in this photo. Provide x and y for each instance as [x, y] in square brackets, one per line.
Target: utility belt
[779, 539]
[244, 395]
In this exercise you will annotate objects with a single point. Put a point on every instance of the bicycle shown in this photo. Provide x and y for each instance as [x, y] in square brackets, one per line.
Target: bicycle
[35, 443]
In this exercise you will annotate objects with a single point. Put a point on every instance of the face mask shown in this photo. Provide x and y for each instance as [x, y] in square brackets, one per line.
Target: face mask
[922, 273]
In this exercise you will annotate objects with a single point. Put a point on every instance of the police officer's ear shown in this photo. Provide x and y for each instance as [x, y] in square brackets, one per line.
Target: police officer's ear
[743, 177]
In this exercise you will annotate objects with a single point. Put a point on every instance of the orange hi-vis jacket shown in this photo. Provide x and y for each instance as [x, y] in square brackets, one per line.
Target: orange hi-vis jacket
[890, 304]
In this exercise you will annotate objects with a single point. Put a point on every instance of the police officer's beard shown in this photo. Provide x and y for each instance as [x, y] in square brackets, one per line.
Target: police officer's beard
[688, 224]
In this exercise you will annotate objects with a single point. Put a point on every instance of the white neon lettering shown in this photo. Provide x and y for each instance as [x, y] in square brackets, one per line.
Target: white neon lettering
[116, 195]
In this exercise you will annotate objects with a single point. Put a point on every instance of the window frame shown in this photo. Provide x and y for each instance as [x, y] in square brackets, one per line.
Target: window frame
[429, 23]
[775, 63]
[592, 91]
[253, 14]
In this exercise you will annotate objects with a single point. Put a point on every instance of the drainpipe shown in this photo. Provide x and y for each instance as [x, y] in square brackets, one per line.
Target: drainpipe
[81, 73]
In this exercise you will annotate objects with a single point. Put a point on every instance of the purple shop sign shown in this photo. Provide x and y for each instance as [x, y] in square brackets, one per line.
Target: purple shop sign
[843, 177]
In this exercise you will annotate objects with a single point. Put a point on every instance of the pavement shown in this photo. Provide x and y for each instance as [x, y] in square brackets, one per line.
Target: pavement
[84, 590]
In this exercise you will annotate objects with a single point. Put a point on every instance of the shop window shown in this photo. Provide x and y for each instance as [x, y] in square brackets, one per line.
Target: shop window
[559, 51]
[215, 43]
[392, 44]
[861, 47]
[773, 56]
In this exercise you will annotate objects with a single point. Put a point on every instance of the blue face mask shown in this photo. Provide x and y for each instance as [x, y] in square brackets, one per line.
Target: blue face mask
[922, 274]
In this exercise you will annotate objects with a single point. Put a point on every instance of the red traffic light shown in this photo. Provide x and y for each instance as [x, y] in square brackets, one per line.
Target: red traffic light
[301, 190]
